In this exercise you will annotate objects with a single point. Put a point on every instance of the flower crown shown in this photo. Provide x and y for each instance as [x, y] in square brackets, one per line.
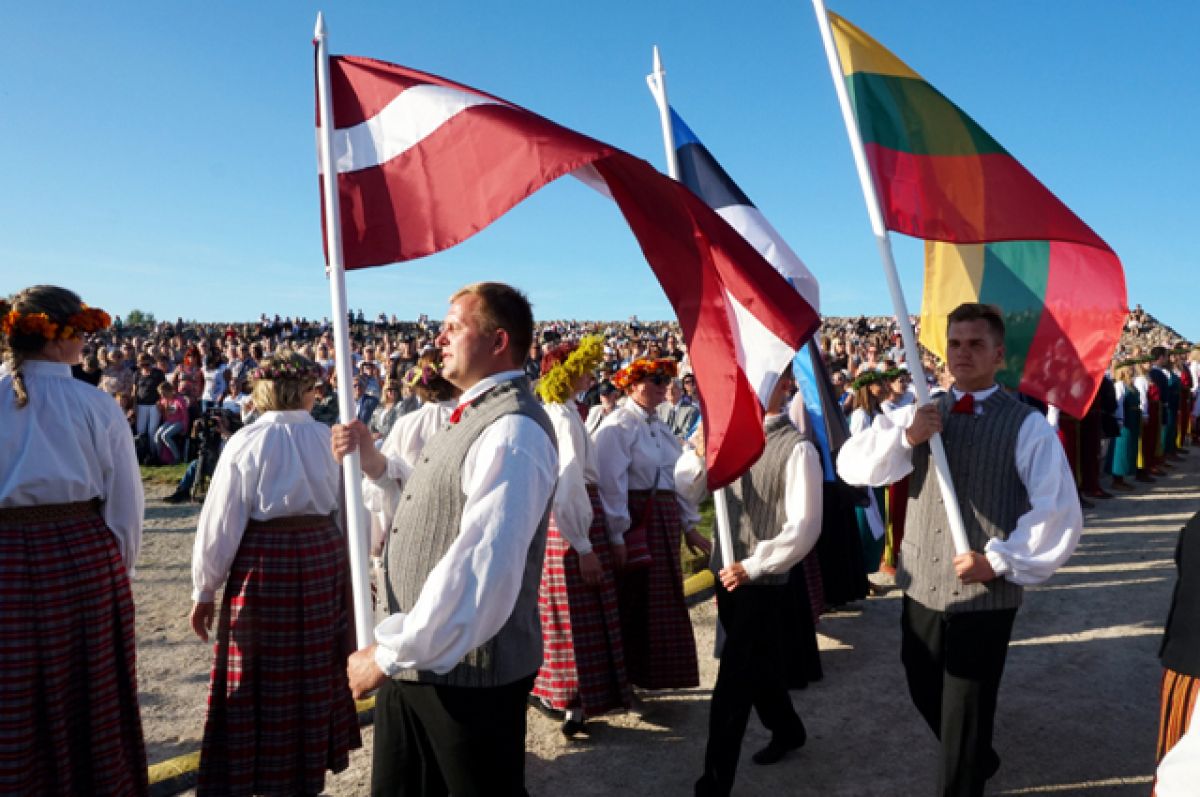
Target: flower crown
[425, 374]
[88, 319]
[557, 384]
[867, 378]
[291, 366]
[641, 368]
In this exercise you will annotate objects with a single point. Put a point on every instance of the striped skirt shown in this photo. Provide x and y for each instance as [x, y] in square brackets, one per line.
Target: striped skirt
[69, 721]
[660, 650]
[1179, 693]
[584, 660]
[279, 706]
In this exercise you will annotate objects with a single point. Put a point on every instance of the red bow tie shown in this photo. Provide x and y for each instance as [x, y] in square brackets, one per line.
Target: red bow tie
[965, 405]
[456, 416]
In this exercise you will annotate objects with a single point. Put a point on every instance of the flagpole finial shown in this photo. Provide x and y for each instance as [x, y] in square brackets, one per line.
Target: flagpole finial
[658, 67]
[319, 30]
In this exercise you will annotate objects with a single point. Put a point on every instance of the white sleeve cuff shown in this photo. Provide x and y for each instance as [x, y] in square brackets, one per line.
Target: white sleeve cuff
[752, 567]
[999, 566]
[202, 595]
[386, 660]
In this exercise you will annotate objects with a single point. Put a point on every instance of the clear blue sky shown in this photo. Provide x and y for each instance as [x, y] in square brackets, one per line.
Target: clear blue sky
[161, 155]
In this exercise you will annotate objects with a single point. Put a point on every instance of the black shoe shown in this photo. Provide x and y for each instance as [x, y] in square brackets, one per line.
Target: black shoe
[1086, 504]
[779, 746]
[572, 728]
[544, 708]
[991, 764]
[177, 497]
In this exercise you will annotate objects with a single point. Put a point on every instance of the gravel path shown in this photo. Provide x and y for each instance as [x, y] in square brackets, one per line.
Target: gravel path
[1077, 709]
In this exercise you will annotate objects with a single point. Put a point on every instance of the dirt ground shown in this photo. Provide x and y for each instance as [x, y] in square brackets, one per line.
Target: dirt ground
[1077, 711]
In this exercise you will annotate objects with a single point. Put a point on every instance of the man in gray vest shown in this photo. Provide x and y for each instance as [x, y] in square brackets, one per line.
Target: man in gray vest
[1022, 519]
[455, 660]
[775, 519]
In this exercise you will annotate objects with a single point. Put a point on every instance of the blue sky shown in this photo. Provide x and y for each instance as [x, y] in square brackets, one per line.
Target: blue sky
[161, 156]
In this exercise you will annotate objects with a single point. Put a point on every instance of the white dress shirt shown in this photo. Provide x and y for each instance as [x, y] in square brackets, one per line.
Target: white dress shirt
[278, 466]
[70, 443]
[507, 479]
[632, 447]
[1044, 537]
[576, 470]
[802, 501]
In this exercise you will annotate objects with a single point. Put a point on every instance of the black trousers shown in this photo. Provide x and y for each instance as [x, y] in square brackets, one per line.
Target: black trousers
[752, 674]
[439, 740]
[953, 662]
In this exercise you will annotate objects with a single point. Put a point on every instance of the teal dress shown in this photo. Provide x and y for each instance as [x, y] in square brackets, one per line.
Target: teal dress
[1125, 447]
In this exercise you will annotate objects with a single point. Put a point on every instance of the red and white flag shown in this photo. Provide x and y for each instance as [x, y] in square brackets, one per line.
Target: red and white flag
[424, 163]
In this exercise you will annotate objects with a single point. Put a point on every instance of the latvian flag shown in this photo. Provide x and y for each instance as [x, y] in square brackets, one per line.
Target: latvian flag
[424, 163]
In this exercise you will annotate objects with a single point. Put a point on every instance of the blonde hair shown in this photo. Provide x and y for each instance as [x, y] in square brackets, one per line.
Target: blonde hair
[274, 392]
[57, 303]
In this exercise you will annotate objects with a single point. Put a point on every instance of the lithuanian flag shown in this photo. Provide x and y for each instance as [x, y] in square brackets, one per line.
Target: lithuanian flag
[994, 233]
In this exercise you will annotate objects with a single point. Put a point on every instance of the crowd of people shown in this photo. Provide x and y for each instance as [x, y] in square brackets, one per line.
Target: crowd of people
[530, 487]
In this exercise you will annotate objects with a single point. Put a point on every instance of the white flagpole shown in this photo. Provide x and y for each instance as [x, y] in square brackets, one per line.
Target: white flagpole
[884, 242]
[657, 80]
[356, 513]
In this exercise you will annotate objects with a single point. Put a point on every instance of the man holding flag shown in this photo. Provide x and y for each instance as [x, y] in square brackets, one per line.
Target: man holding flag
[457, 655]
[1022, 519]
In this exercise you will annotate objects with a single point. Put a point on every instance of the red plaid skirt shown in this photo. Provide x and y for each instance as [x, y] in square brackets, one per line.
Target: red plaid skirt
[584, 660]
[279, 706]
[69, 721]
[660, 651]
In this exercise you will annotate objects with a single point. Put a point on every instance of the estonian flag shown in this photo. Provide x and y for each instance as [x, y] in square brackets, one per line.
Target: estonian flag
[700, 172]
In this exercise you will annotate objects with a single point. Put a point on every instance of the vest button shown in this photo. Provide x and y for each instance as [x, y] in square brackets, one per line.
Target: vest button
[933, 589]
[935, 558]
[408, 498]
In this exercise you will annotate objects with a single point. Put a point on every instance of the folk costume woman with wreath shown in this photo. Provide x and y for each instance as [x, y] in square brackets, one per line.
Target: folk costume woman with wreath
[279, 707]
[636, 457]
[583, 671]
[870, 388]
[407, 438]
[70, 529]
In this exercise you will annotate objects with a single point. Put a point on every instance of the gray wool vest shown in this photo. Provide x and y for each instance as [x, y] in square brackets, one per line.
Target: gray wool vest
[981, 450]
[757, 500]
[427, 523]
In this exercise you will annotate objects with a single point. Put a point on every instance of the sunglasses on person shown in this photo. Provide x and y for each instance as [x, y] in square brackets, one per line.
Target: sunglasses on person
[658, 379]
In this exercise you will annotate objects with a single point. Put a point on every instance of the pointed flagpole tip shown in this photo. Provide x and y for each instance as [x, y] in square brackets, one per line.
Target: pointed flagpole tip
[319, 30]
[657, 60]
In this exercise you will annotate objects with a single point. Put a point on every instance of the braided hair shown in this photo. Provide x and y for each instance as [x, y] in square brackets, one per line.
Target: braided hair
[18, 345]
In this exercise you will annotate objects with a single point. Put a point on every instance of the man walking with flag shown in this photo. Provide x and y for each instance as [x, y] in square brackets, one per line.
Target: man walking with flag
[455, 660]
[1022, 519]
[775, 514]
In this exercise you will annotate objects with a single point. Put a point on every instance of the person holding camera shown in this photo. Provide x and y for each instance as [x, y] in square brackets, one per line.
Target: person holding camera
[280, 711]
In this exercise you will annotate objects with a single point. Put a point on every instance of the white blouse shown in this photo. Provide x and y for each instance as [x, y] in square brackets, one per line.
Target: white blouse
[803, 480]
[402, 447]
[70, 443]
[576, 470]
[632, 447]
[1044, 537]
[279, 466]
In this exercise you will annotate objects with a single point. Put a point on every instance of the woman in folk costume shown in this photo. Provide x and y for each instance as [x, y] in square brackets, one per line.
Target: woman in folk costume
[870, 389]
[279, 706]
[1151, 405]
[1125, 447]
[70, 528]
[897, 381]
[636, 456]
[402, 447]
[583, 670]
